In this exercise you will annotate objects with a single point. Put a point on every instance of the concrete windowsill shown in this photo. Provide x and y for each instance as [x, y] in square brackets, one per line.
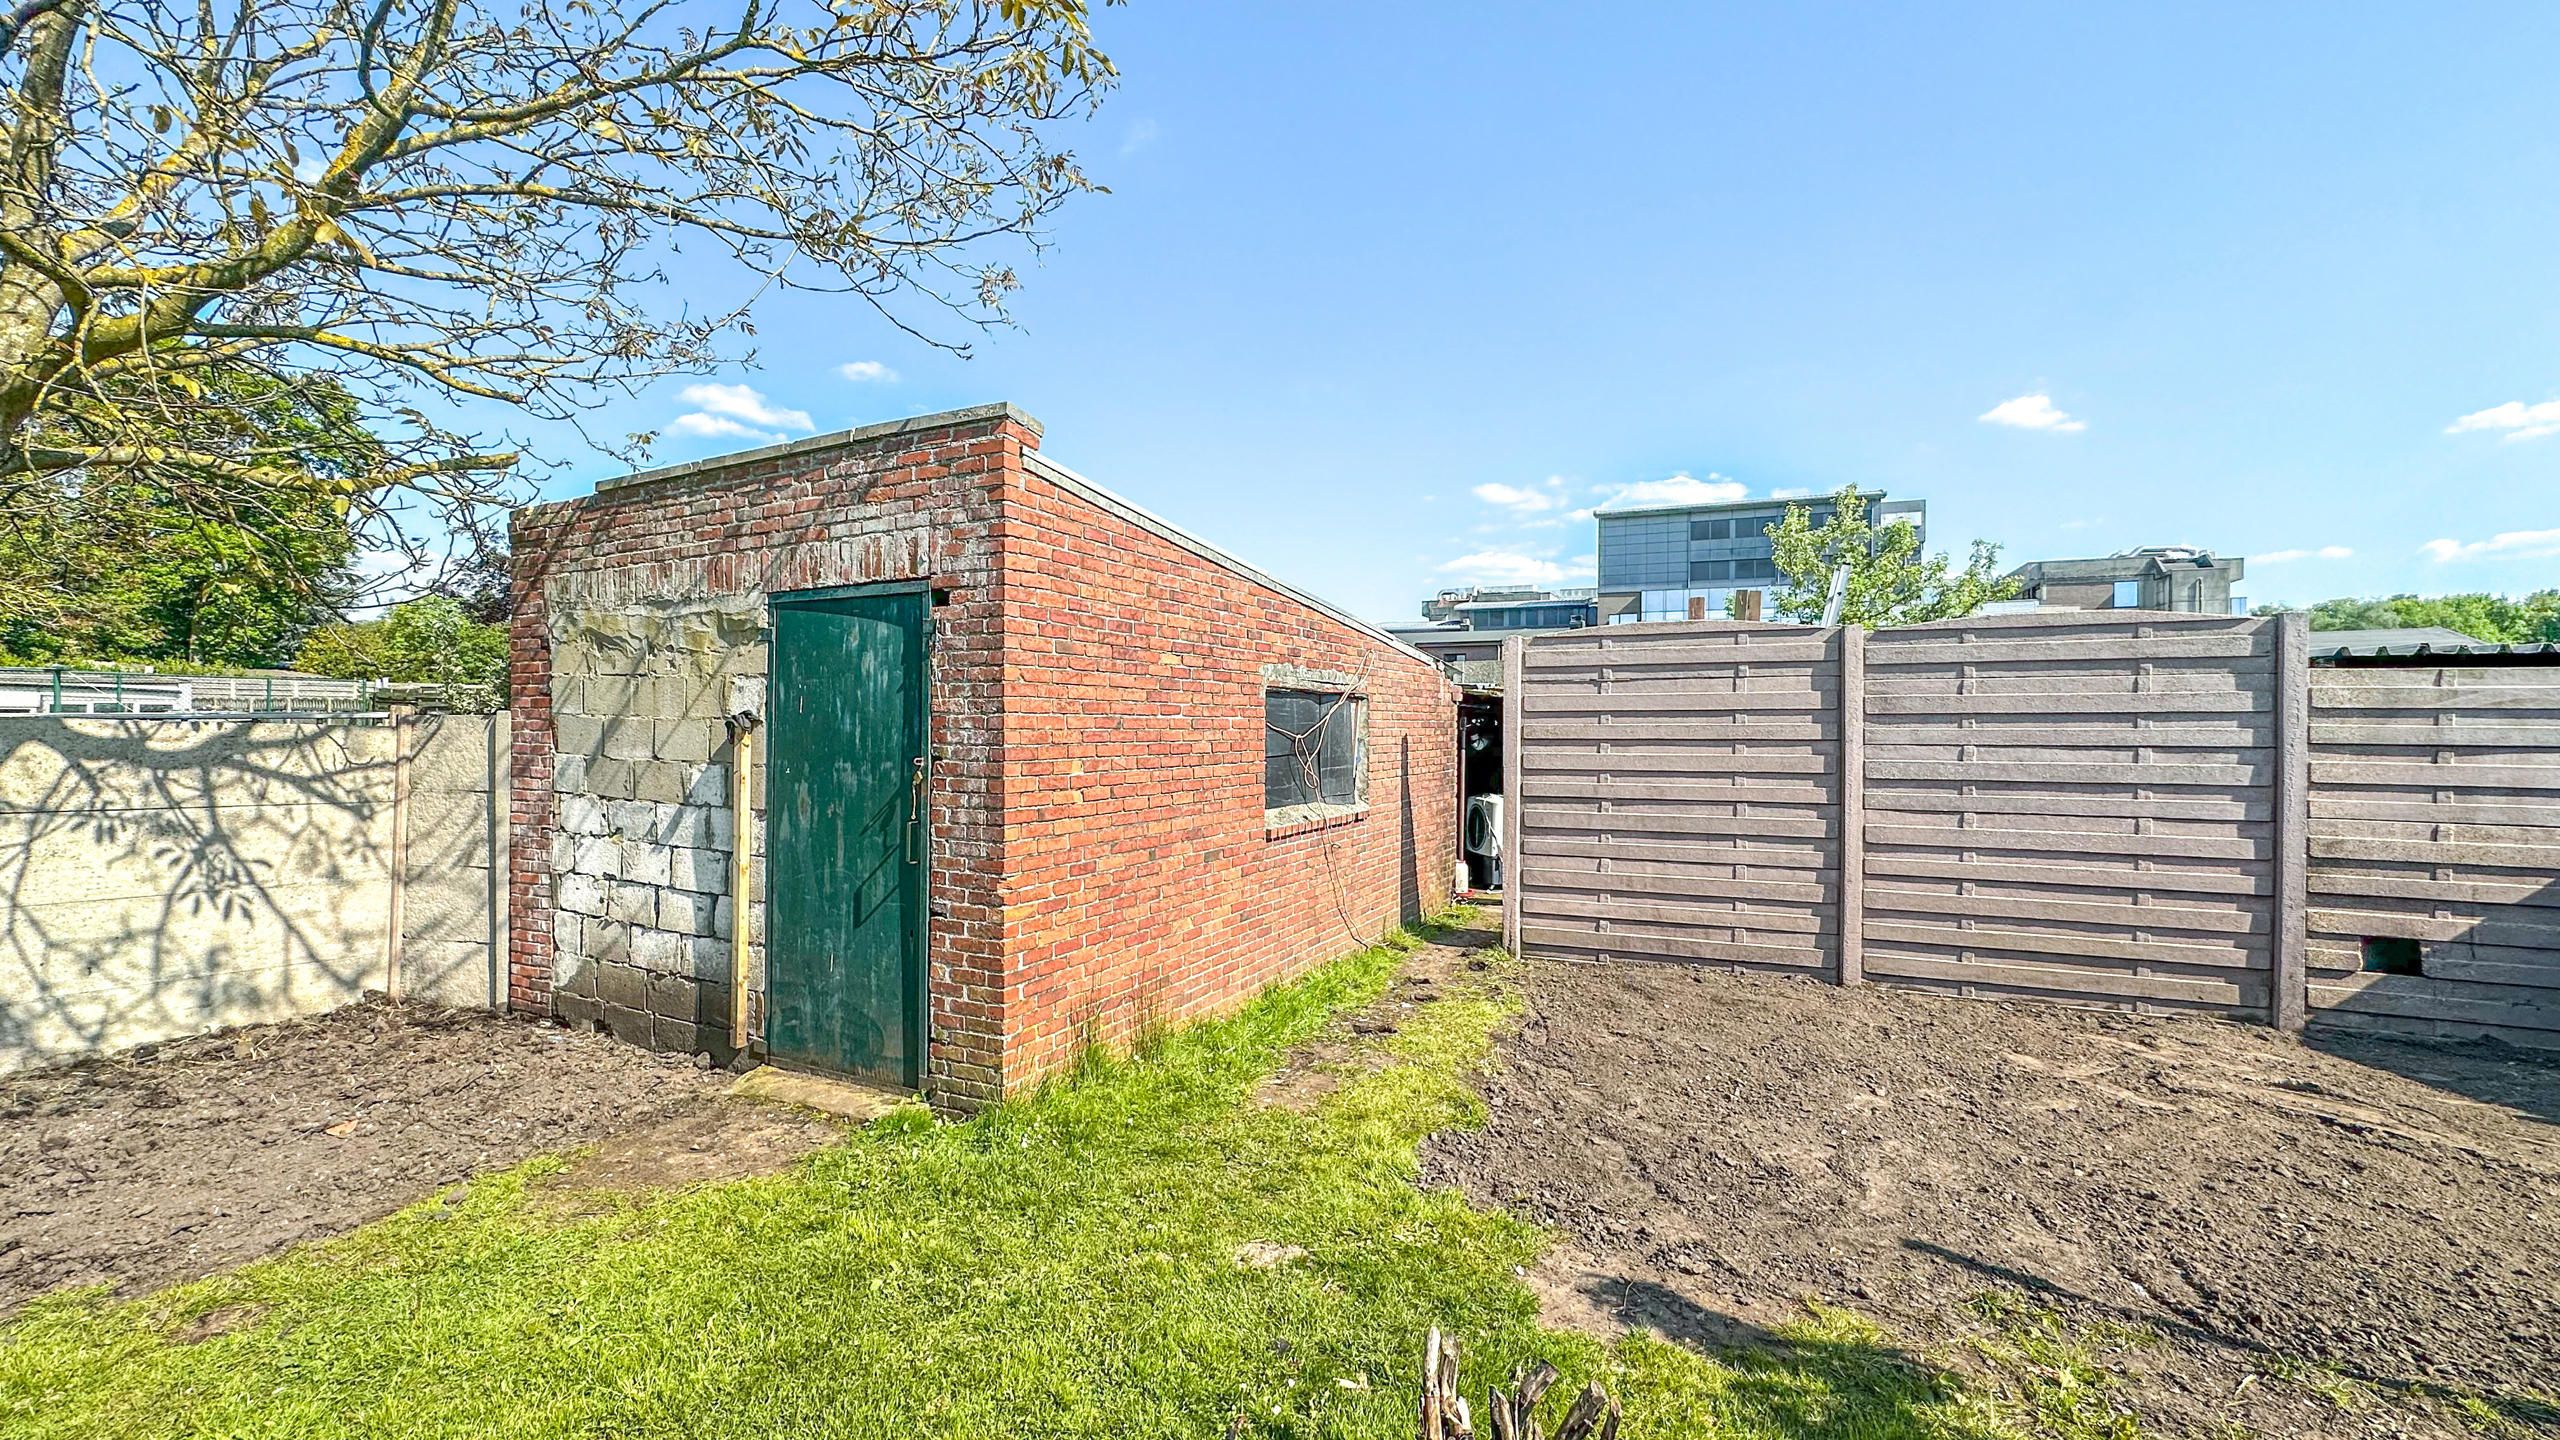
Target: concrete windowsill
[1301, 819]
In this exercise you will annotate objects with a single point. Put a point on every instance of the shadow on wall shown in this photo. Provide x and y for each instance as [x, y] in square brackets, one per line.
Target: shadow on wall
[162, 878]
[2496, 966]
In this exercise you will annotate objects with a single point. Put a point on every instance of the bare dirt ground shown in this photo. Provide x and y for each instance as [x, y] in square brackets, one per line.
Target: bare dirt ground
[2341, 1237]
[185, 1158]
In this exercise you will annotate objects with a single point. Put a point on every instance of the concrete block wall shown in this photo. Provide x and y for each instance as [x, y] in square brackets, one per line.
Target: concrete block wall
[1100, 856]
[644, 831]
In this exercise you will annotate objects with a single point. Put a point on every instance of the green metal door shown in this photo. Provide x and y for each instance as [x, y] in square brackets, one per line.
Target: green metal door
[844, 836]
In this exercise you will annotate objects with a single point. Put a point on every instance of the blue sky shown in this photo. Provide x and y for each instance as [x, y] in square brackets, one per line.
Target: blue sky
[1364, 267]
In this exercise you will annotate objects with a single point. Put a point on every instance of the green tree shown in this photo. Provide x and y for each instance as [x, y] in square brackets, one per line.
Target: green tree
[2497, 619]
[426, 641]
[1890, 581]
[448, 206]
[121, 566]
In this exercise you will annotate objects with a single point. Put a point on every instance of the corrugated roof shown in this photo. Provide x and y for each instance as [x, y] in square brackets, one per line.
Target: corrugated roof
[2421, 641]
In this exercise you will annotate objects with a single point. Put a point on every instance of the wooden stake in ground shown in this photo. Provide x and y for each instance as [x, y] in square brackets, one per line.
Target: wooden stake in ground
[1593, 1415]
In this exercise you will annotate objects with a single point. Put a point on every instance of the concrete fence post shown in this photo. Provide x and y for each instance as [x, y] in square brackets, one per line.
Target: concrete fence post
[395, 977]
[2288, 980]
[1514, 654]
[1853, 804]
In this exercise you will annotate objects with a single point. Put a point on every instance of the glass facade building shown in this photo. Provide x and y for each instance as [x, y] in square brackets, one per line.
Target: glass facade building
[1654, 563]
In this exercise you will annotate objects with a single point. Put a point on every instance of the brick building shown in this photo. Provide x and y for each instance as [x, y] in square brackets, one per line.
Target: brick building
[1043, 769]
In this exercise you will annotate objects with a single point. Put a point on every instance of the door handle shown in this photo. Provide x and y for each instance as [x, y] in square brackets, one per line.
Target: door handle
[915, 811]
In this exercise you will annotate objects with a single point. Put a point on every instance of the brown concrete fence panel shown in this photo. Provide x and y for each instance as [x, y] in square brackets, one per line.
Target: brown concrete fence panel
[2146, 811]
[2435, 850]
[1678, 795]
[2080, 811]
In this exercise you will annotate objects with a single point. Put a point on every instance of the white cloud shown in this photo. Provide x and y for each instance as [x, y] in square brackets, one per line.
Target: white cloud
[2519, 420]
[735, 411]
[2032, 412]
[865, 372]
[721, 426]
[1523, 500]
[2325, 552]
[1681, 489]
[1792, 492]
[2512, 545]
[1505, 567]
[1140, 136]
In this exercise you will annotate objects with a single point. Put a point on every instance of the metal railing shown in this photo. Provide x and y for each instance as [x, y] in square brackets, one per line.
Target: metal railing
[63, 690]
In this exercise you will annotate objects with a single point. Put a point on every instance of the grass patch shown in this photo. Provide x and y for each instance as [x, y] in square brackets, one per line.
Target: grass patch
[2058, 1379]
[1064, 1265]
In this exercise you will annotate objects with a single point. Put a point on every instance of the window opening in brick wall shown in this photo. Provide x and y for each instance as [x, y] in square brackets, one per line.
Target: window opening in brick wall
[2393, 955]
[1311, 748]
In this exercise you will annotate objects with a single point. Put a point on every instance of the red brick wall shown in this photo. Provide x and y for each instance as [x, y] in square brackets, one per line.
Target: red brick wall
[1100, 858]
[1141, 882]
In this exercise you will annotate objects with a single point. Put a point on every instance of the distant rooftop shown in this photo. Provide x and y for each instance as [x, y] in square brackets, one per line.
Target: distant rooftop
[1768, 502]
[2415, 642]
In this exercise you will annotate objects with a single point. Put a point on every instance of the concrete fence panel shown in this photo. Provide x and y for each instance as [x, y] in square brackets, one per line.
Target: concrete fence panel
[2435, 850]
[1678, 795]
[2079, 811]
[2144, 810]
[165, 877]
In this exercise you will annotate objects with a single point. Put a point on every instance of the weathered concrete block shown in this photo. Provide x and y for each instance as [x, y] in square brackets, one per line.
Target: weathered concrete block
[631, 1027]
[610, 695]
[569, 775]
[633, 819]
[704, 872]
[682, 1036]
[622, 985]
[594, 855]
[628, 737]
[582, 815]
[711, 958]
[577, 973]
[686, 913]
[568, 937]
[676, 997]
[687, 741]
[724, 916]
[577, 1010]
[693, 692]
[706, 785]
[646, 862]
[579, 895]
[660, 952]
[632, 904]
[577, 734]
[688, 825]
[608, 941]
[658, 781]
[609, 779]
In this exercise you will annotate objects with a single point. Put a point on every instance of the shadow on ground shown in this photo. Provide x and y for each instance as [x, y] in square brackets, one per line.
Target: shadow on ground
[2518, 1079]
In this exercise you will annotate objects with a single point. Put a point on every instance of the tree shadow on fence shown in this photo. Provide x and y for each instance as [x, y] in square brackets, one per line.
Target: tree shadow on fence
[161, 877]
